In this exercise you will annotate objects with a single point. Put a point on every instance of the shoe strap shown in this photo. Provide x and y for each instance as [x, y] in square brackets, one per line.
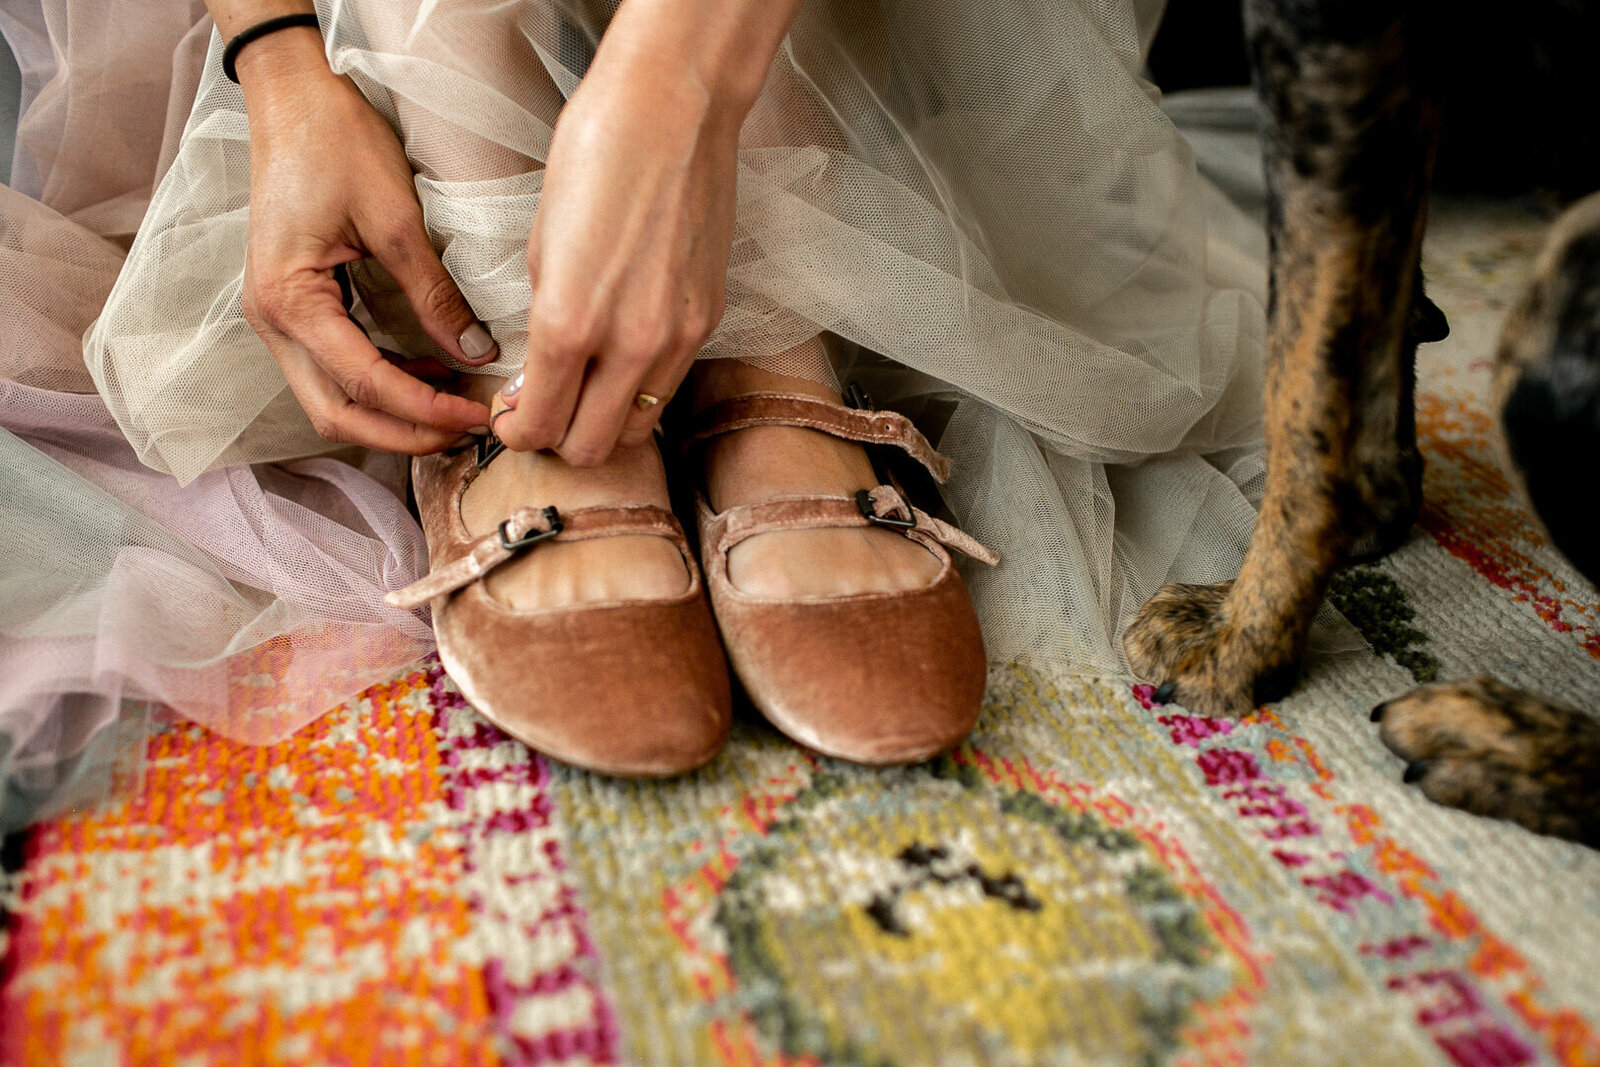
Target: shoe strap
[871, 427]
[529, 526]
[883, 506]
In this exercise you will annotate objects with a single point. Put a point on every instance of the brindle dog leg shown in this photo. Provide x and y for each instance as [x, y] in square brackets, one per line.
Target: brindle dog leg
[1352, 129]
[1388, 480]
[1480, 745]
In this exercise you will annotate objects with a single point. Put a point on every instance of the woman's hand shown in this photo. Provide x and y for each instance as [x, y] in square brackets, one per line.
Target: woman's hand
[628, 259]
[629, 251]
[330, 184]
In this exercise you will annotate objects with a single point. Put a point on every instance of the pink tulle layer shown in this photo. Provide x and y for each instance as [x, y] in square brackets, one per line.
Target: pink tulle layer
[248, 600]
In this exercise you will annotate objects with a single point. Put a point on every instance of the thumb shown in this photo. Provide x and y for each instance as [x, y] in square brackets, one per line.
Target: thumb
[441, 310]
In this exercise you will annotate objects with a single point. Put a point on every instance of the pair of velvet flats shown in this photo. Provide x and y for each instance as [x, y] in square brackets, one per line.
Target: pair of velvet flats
[640, 687]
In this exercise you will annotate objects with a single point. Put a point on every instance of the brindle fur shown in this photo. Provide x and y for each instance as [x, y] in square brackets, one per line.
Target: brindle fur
[1350, 140]
[1480, 745]
[1487, 748]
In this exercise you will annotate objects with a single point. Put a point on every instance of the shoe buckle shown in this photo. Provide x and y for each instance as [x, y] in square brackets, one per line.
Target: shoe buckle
[870, 512]
[489, 446]
[552, 519]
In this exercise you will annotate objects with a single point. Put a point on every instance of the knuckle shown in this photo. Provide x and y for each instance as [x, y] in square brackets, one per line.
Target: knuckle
[696, 327]
[542, 437]
[441, 299]
[567, 330]
[582, 455]
[564, 350]
[360, 389]
[329, 429]
[399, 233]
[268, 300]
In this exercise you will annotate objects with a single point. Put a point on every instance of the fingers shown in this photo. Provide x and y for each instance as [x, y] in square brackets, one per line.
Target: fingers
[351, 393]
[609, 413]
[643, 417]
[371, 381]
[582, 400]
[339, 420]
[545, 394]
[406, 253]
[597, 423]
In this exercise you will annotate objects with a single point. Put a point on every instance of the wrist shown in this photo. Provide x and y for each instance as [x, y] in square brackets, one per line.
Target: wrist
[720, 49]
[285, 63]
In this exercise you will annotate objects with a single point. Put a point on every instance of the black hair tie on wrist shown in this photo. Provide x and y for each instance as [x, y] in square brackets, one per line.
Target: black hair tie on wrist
[230, 54]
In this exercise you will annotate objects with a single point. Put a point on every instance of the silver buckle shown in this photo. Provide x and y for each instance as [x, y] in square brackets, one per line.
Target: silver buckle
[870, 512]
[533, 537]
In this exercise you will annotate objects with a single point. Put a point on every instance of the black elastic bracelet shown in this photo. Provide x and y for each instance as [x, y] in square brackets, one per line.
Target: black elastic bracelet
[230, 54]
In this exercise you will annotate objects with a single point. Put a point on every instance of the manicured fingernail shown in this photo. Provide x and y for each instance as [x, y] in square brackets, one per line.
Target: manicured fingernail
[476, 342]
[479, 430]
[511, 389]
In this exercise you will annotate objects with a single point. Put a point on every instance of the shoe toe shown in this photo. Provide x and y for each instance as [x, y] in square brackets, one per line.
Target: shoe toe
[637, 689]
[873, 680]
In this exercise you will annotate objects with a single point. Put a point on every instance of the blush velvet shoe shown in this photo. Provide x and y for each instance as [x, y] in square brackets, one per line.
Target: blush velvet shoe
[877, 677]
[635, 687]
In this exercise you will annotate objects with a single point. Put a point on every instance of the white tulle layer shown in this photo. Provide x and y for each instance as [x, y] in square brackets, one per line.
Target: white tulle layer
[986, 195]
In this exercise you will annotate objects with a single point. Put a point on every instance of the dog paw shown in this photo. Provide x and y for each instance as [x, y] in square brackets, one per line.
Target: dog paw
[1489, 749]
[1180, 641]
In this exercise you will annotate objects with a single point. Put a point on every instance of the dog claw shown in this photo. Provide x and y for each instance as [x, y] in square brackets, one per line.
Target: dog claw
[1377, 712]
[1165, 694]
[1414, 771]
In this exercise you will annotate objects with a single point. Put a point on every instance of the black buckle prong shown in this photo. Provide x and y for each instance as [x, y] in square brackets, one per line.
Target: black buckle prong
[551, 516]
[870, 513]
[857, 397]
[489, 446]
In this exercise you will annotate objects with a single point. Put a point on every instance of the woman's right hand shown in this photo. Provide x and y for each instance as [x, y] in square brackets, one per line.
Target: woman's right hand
[330, 184]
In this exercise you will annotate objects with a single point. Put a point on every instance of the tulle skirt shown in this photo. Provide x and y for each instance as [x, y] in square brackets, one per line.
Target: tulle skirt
[983, 201]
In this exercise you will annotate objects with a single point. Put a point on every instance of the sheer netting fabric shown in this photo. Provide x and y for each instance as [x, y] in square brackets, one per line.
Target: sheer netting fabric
[247, 598]
[984, 201]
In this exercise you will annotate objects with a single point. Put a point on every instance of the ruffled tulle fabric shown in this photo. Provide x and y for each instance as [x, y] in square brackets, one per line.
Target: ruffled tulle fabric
[983, 201]
[246, 598]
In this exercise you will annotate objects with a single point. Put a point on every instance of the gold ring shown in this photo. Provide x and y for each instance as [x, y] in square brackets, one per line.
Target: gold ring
[644, 401]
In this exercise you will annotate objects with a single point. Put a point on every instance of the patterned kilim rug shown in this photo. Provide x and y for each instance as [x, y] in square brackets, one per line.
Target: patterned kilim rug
[1090, 880]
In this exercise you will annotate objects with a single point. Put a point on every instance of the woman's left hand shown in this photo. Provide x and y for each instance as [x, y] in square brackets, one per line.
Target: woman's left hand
[627, 258]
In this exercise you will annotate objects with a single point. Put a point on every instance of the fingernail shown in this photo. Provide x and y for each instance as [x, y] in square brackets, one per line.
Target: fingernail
[511, 389]
[476, 342]
[479, 430]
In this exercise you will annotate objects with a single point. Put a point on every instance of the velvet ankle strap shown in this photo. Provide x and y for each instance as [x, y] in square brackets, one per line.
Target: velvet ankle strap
[808, 412]
[529, 526]
[723, 530]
